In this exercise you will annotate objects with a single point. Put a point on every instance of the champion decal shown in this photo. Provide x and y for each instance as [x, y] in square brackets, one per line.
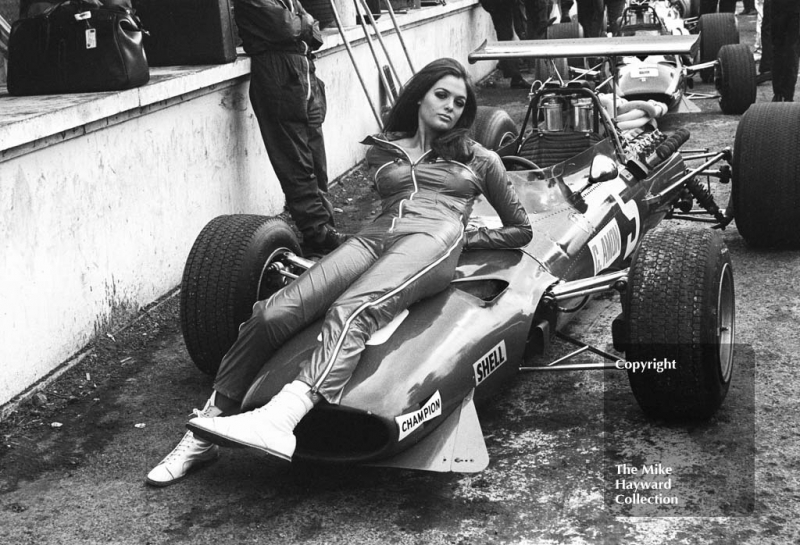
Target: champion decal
[606, 246]
[407, 423]
[490, 362]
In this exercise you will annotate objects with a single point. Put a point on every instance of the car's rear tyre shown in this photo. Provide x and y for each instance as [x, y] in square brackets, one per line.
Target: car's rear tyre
[766, 175]
[679, 306]
[545, 70]
[225, 274]
[716, 30]
[735, 78]
[493, 128]
[564, 31]
[688, 8]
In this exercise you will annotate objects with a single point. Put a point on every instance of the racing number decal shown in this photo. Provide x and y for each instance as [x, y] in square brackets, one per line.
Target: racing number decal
[606, 246]
[645, 72]
[631, 212]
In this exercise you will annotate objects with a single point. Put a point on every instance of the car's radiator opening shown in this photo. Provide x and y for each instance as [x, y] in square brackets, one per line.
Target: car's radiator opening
[484, 289]
[334, 432]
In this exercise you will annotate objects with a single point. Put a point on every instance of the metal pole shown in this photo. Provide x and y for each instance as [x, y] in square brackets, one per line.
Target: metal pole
[390, 9]
[374, 55]
[383, 45]
[338, 19]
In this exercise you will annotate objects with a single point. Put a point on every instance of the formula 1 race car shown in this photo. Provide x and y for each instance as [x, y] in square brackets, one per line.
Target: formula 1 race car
[595, 196]
[667, 77]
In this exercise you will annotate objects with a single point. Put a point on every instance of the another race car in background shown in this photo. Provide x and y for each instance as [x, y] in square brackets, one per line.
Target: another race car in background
[667, 78]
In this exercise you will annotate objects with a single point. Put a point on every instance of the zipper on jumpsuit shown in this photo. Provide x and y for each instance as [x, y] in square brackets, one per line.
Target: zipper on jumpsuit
[346, 326]
[289, 4]
[308, 71]
[413, 165]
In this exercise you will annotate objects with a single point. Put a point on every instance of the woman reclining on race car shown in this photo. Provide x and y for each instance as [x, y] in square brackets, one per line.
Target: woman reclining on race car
[428, 174]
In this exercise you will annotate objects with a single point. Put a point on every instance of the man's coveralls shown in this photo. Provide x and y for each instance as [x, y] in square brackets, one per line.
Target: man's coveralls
[785, 37]
[289, 102]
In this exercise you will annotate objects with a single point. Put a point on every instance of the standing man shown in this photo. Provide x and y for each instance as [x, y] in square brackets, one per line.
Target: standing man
[289, 103]
[785, 30]
[538, 16]
[565, 6]
[765, 63]
[506, 16]
[590, 16]
[614, 9]
[749, 7]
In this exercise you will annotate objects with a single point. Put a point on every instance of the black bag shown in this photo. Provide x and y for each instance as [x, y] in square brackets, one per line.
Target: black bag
[77, 46]
[188, 32]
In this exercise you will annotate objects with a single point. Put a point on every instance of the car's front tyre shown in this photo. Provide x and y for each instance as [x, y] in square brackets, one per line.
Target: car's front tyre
[766, 175]
[716, 30]
[680, 315]
[227, 271]
[735, 78]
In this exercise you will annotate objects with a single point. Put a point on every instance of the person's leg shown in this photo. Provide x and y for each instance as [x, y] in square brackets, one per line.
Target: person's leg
[708, 6]
[277, 319]
[566, 6]
[292, 158]
[538, 12]
[519, 18]
[317, 144]
[273, 321]
[290, 127]
[503, 21]
[590, 16]
[785, 28]
[190, 453]
[793, 53]
[614, 10]
[415, 266]
[727, 6]
[765, 66]
[759, 7]
[779, 55]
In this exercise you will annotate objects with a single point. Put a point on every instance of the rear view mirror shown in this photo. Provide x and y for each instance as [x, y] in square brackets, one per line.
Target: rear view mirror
[603, 168]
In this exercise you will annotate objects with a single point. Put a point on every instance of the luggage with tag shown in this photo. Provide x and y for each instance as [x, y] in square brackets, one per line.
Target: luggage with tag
[76, 46]
[187, 32]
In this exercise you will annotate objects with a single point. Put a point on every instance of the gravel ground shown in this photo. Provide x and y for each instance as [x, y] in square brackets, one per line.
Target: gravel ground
[73, 456]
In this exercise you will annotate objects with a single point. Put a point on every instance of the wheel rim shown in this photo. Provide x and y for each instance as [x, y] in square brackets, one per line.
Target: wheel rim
[270, 279]
[506, 139]
[726, 330]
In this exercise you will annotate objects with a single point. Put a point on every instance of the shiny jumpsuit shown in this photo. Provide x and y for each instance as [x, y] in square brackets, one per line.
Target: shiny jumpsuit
[409, 252]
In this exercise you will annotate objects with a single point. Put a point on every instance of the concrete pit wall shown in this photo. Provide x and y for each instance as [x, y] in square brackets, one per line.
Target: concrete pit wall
[103, 195]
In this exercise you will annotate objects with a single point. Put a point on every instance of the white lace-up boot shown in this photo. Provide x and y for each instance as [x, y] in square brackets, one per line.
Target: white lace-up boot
[269, 428]
[191, 452]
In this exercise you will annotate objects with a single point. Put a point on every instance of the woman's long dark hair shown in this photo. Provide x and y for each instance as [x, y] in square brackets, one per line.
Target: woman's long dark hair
[455, 144]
